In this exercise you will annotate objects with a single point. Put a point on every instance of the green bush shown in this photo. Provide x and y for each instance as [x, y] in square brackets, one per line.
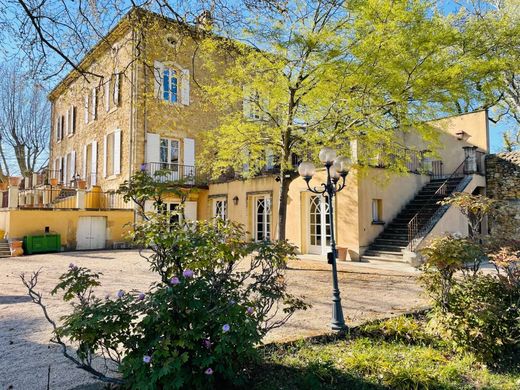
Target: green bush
[199, 325]
[484, 318]
[474, 311]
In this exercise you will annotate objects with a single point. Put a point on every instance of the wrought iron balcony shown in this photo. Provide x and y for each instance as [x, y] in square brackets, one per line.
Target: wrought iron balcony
[175, 173]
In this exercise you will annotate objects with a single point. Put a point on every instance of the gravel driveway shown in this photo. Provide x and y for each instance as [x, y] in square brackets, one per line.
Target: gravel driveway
[369, 291]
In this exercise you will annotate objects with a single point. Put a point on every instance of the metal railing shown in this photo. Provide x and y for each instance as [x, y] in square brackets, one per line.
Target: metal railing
[423, 216]
[171, 172]
[109, 200]
[69, 198]
[47, 198]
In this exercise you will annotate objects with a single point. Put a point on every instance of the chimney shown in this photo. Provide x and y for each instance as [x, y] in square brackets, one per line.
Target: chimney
[205, 21]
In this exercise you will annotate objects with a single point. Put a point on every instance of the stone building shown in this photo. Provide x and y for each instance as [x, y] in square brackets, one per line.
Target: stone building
[138, 105]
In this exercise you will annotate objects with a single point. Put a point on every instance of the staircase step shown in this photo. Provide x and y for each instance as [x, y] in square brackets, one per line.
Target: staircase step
[389, 254]
[381, 258]
[388, 248]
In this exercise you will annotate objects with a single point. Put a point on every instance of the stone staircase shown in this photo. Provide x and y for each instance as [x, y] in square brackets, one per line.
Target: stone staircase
[388, 246]
[5, 250]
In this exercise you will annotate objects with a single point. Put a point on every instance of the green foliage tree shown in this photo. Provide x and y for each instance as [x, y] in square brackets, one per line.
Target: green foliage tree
[324, 73]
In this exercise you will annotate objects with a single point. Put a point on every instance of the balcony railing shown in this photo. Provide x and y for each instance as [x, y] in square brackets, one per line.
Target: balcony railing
[70, 198]
[170, 172]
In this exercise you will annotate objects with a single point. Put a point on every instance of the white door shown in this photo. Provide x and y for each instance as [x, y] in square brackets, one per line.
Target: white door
[262, 218]
[91, 233]
[319, 225]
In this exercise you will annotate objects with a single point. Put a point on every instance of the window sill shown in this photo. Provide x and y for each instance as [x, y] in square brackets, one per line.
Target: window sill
[70, 135]
[378, 222]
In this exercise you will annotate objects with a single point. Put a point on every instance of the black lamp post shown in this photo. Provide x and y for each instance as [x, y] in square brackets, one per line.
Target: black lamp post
[337, 167]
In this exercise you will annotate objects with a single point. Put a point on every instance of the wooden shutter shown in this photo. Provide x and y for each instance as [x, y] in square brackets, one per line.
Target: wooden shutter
[67, 117]
[94, 103]
[117, 152]
[64, 168]
[153, 146]
[107, 96]
[185, 87]
[158, 70]
[57, 129]
[105, 139]
[190, 211]
[85, 107]
[61, 176]
[93, 164]
[117, 78]
[84, 163]
[72, 167]
[189, 152]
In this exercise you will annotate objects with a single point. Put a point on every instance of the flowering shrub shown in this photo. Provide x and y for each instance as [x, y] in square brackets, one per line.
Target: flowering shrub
[198, 325]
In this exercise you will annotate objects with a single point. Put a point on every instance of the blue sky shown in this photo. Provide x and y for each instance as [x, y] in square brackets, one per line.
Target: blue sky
[446, 6]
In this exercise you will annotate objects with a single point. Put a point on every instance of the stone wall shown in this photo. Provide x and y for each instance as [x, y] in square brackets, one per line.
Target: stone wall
[503, 183]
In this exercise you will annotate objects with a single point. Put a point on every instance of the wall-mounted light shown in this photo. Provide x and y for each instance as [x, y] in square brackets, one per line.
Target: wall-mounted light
[235, 200]
[460, 135]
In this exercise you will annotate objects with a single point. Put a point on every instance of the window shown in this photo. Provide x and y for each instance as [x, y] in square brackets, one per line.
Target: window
[377, 210]
[220, 208]
[251, 104]
[169, 153]
[70, 127]
[171, 209]
[112, 154]
[262, 218]
[90, 106]
[170, 85]
[60, 120]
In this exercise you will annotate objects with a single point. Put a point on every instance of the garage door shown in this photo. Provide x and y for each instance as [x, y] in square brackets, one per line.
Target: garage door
[91, 233]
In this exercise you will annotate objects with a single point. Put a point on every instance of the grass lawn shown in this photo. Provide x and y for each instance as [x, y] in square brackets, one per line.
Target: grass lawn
[393, 354]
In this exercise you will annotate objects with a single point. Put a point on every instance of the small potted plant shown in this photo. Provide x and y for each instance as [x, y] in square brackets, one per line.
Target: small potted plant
[3, 185]
[54, 182]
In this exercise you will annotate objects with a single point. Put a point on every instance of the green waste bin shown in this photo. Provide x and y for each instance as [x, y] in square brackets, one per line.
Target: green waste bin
[43, 243]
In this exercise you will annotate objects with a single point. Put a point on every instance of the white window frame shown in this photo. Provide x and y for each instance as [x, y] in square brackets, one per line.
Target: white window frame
[377, 210]
[169, 151]
[220, 208]
[266, 218]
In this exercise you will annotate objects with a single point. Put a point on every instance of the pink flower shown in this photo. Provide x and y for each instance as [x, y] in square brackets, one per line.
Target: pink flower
[174, 281]
[188, 273]
[120, 294]
[209, 371]
[147, 359]
[226, 328]
[107, 296]
[141, 296]
[71, 265]
[250, 310]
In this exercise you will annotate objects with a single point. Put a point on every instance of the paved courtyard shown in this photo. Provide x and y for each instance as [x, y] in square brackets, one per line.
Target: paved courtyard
[369, 291]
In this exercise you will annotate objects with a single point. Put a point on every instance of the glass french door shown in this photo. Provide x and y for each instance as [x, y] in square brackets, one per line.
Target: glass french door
[262, 218]
[319, 225]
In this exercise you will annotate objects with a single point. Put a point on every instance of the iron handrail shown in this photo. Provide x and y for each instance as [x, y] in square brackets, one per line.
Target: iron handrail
[413, 224]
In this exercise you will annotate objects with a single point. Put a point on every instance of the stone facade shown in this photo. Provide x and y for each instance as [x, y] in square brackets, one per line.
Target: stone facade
[503, 183]
[132, 51]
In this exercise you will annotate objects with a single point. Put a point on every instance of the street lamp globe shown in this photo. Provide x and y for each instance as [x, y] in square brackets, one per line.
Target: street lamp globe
[327, 155]
[334, 174]
[306, 169]
[342, 164]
